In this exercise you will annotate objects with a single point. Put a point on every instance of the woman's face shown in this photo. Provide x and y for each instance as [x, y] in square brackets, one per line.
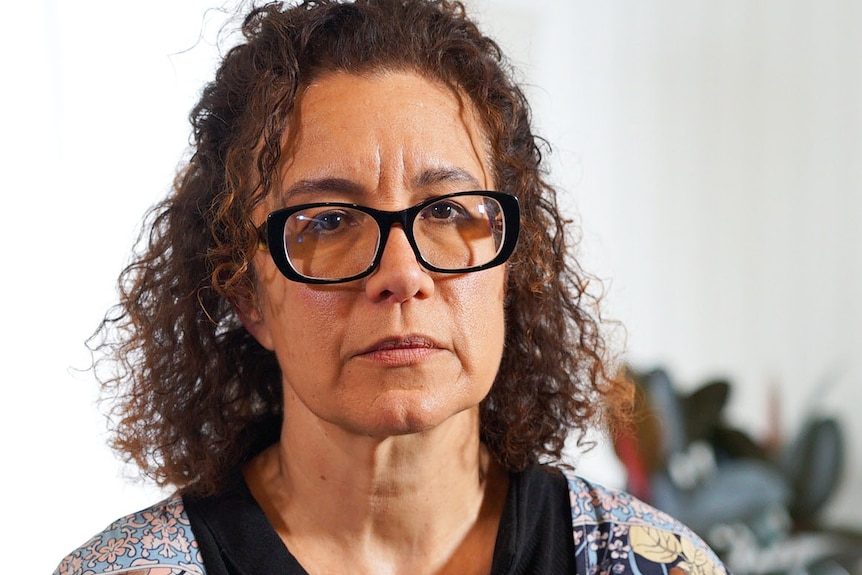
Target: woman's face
[403, 349]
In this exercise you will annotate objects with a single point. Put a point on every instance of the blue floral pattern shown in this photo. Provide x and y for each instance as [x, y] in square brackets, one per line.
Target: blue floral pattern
[155, 541]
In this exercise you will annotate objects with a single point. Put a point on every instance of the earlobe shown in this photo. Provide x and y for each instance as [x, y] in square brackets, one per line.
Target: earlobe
[252, 319]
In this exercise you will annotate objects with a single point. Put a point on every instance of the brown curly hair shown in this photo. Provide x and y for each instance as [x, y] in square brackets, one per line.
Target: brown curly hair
[194, 395]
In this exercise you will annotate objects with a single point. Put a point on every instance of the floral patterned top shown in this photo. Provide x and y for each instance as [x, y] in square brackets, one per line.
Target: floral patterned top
[614, 534]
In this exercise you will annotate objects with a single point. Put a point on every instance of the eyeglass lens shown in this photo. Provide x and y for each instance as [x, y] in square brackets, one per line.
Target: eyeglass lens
[455, 233]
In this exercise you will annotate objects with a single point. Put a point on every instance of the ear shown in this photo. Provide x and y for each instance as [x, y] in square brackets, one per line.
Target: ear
[251, 316]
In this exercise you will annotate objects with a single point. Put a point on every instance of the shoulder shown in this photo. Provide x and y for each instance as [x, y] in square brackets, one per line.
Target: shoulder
[616, 533]
[157, 540]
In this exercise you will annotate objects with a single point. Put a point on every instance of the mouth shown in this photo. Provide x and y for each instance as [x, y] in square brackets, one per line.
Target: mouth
[399, 351]
[405, 342]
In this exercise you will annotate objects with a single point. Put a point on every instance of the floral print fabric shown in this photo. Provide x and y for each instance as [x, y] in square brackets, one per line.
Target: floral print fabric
[155, 541]
[614, 534]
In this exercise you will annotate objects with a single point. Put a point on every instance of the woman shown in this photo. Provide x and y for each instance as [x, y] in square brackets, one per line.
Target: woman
[330, 346]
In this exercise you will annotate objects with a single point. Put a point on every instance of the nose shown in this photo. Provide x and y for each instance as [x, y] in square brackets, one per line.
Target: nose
[399, 276]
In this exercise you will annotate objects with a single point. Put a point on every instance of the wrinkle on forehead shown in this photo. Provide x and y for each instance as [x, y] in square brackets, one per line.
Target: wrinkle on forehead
[466, 112]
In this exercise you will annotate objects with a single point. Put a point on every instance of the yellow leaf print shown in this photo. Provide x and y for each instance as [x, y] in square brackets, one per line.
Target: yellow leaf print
[654, 544]
[700, 562]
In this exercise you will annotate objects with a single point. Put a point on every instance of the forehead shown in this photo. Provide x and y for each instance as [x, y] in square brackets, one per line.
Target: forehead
[383, 131]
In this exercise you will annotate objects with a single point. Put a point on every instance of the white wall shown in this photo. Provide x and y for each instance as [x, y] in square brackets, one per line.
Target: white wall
[95, 96]
[712, 150]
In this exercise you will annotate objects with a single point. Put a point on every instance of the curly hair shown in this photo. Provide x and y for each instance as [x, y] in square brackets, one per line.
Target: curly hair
[194, 394]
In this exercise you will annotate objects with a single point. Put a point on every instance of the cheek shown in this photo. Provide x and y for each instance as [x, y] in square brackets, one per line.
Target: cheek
[479, 316]
[304, 322]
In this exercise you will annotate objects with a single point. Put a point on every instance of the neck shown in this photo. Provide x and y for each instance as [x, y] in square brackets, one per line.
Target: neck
[404, 501]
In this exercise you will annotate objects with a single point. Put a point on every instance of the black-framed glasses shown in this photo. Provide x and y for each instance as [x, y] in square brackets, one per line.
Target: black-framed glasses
[333, 242]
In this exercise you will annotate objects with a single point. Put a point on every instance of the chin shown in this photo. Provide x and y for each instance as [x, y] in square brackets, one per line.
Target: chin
[393, 416]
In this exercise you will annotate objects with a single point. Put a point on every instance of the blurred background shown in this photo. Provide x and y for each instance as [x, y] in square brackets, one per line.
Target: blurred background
[711, 153]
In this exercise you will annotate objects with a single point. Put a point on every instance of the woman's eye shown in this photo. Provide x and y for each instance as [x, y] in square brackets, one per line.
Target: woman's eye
[324, 223]
[328, 221]
[444, 211]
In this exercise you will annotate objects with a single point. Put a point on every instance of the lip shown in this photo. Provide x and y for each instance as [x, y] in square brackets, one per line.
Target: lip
[400, 350]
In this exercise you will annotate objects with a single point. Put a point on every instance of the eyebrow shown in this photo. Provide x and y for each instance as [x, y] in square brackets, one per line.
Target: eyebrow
[440, 175]
[343, 186]
[315, 186]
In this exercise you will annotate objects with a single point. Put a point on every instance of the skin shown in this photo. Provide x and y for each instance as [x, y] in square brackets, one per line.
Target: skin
[379, 466]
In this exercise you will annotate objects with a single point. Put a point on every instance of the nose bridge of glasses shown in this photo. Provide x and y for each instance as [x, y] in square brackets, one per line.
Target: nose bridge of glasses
[387, 220]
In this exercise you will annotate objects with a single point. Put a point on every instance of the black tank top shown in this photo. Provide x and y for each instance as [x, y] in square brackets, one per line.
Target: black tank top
[534, 536]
